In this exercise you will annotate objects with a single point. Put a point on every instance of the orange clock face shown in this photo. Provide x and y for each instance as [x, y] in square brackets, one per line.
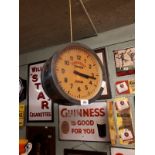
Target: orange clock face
[78, 73]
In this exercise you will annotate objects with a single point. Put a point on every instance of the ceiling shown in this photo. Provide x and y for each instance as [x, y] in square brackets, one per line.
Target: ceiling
[44, 23]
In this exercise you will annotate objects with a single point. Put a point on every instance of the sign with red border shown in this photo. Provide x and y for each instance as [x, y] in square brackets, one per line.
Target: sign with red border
[125, 61]
[125, 87]
[39, 104]
[88, 123]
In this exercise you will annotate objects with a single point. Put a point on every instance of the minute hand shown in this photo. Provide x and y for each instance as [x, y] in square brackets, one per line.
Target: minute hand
[84, 75]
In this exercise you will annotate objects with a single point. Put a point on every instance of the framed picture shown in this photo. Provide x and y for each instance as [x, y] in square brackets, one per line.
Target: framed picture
[125, 61]
[82, 152]
[102, 55]
[40, 107]
[122, 151]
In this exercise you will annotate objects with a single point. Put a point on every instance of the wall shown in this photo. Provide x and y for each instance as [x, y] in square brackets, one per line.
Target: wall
[115, 39]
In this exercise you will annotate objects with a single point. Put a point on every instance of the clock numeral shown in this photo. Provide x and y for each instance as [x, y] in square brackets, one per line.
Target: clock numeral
[71, 85]
[62, 70]
[86, 87]
[90, 66]
[71, 58]
[78, 57]
[90, 82]
[65, 80]
[79, 89]
[66, 62]
[57, 69]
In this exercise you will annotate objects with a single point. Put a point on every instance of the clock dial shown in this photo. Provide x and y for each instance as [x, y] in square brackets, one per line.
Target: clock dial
[75, 74]
[78, 73]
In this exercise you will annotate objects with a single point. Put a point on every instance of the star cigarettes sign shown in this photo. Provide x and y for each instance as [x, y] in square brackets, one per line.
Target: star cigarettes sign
[88, 123]
[39, 104]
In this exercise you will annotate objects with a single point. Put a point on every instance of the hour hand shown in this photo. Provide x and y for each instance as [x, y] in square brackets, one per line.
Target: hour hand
[84, 75]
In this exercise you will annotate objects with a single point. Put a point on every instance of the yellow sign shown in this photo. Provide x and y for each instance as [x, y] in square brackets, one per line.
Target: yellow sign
[120, 122]
[131, 86]
[21, 114]
[112, 128]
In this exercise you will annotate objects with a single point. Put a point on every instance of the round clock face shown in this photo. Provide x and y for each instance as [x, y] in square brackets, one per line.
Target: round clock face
[77, 73]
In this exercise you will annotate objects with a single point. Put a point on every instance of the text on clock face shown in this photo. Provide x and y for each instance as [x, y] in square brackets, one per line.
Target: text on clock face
[78, 74]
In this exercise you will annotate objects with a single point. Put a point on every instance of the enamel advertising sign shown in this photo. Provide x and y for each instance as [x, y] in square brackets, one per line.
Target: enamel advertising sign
[88, 123]
[39, 104]
[21, 114]
[120, 122]
[125, 87]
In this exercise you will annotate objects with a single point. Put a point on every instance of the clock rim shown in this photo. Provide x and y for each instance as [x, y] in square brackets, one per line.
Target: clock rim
[21, 87]
[55, 81]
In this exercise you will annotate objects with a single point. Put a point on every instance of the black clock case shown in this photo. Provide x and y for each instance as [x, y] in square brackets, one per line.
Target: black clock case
[22, 93]
[49, 82]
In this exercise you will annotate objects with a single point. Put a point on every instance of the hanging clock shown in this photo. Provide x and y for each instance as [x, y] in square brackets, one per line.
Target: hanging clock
[75, 74]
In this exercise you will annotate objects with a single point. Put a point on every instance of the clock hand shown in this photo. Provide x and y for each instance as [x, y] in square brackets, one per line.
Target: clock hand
[84, 75]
